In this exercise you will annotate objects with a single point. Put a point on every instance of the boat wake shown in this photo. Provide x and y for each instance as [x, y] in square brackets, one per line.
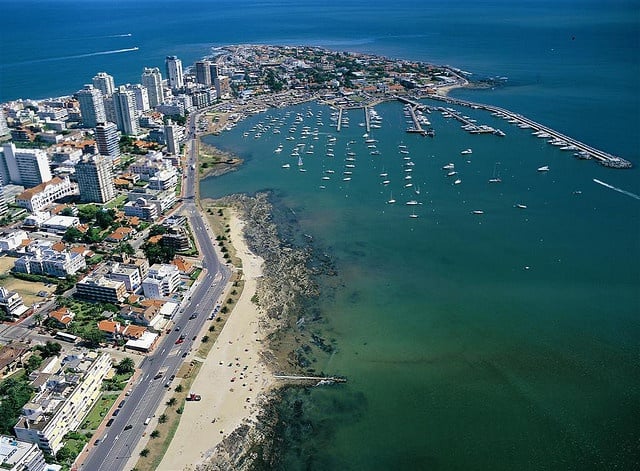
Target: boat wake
[78, 56]
[619, 190]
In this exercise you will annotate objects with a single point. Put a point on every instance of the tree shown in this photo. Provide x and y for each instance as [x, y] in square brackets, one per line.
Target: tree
[33, 363]
[67, 212]
[87, 213]
[105, 218]
[172, 402]
[163, 418]
[93, 235]
[37, 318]
[125, 366]
[72, 234]
[92, 336]
[179, 388]
[49, 349]
[144, 453]
[157, 229]
[125, 247]
[155, 434]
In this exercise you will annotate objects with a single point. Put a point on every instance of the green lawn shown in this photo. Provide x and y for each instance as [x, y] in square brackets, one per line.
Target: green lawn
[99, 411]
[117, 202]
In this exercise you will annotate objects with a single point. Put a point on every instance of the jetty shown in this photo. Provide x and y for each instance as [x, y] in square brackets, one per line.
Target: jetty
[367, 119]
[339, 119]
[413, 106]
[312, 379]
[556, 138]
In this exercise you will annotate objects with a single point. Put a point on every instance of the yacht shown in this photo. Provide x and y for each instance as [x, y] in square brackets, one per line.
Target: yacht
[452, 173]
[477, 211]
[457, 182]
[521, 206]
[466, 151]
[391, 200]
[412, 203]
[544, 168]
[449, 166]
[413, 216]
[346, 179]
[286, 166]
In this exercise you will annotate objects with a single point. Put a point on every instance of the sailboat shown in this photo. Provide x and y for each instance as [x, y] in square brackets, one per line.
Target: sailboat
[391, 199]
[300, 162]
[495, 178]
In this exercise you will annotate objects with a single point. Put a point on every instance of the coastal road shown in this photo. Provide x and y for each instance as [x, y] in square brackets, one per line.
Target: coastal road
[117, 445]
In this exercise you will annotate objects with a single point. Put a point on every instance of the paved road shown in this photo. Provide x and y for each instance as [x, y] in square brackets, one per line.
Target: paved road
[117, 445]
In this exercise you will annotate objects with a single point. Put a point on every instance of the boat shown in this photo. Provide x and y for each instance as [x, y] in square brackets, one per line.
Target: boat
[350, 166]
[466, 151]
[347, 172]
[413, 216]
[457, 182]
[449, 166]
[300, 162]
[452, 173]
[329, 171]
[326, 178]
[346, 179]
[495, 178]
[417, 190]
[386, 182]
[302, 169]
[412, 203]
[384, 174]
[286, 166]
[544, 168]
[477, 211]
[408, 185]
[520, 206]
[391, 199]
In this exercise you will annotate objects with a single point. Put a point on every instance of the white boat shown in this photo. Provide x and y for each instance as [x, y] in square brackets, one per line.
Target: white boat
[386, 182]
[384, 174]
[408, 185]
[544, 168]
[520, 206]
[413, 216]
[286, 166]
[466, 151]
[347, 172]
[302, 169]
[326, 178]
[407, 177]
[346, 179]
[496, 176]
[329, 171]
[391, 199]
[457, 182]
[417, 190]
[350, 166]
[300, 162]
[452, 173]
[477, 211]
[412, 203]
[449, 166]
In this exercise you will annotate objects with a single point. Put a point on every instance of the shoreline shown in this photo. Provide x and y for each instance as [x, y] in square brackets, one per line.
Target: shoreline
[234, 379]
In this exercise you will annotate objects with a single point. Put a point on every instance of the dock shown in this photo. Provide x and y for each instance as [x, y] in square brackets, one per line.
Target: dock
[367, 119]
[556, 138]
[339, 119]
[413, 107]
[312, 379]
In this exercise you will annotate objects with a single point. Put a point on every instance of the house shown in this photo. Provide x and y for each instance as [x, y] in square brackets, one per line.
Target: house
[61, 317]
[115, 330]
[120, 234]
[12, 356]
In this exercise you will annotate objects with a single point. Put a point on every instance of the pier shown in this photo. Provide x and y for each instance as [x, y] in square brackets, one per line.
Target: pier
[556, 138]
[313, 379]
[339, 119]
[367, 119]
[417, 126]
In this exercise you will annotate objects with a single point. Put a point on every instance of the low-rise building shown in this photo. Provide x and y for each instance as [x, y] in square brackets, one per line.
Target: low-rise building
[41, 260]
[161, 280]
[63, 405]
[44, 194]
[59, 224]
[11, 303]
[128, 274]
[13, 240]
[142, 209]
[18, 455]
[101, 289]
[164, 180]
[61, 317]
[12, 356]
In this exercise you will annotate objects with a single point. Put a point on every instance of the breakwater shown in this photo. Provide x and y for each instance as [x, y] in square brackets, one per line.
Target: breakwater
[556, 138]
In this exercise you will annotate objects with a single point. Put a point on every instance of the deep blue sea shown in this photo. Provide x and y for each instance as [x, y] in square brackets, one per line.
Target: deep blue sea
[503, 341]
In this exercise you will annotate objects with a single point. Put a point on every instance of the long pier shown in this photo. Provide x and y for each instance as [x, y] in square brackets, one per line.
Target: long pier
[339, 120]
[327, 379]
[557, 138]
[367, 119]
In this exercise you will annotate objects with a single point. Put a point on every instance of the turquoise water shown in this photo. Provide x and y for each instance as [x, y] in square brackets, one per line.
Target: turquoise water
[497, 341]
[458, 357]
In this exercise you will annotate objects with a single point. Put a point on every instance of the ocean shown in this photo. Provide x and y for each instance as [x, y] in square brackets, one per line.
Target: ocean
[504, 340]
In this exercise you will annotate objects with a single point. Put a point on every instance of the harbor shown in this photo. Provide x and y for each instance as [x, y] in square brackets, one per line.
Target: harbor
[581, 150]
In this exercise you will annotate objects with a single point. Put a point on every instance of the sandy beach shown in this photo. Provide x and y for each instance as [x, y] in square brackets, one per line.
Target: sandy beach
[230, 380]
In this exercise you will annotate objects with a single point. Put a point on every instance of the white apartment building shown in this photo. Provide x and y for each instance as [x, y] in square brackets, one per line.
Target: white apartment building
[92, 107]
[104, 82]
[149, 165]
[174, 72]
[11, 303]
[128, 274]
[44, 194]
[152, 80]
[12, 240]
[62, 407]
[164, 180]
[17, 455]
[26, 167]
[46, 261]
[142, 209]
[161, 280]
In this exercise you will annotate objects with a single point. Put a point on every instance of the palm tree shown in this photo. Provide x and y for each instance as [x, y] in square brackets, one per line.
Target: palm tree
[126, 365]
[172, 402]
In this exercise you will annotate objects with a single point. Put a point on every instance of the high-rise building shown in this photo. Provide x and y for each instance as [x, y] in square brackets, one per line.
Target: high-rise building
[4, 129]
[174, 72]
[203, 73]
[213, 71]
[3, 201]
[152, 80]
[95, 179]
[91, 106]
[172, 138]
[142, 97]
[107, 140]
[223, 86]
[104, 82]
[124, 105]
[26, 167]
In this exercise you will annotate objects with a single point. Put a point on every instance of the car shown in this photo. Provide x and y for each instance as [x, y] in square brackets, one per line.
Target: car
[121, 403]
[172, 377]
[178, 328]
[158, 376]
[179, 341]
[128, 427]
[110, 422]
[193, 316]
[167, 384]
[128, 393]
[184, 355]
[116, 412]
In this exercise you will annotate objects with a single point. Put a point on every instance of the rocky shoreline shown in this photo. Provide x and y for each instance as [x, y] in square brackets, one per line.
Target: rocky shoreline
[288, 287]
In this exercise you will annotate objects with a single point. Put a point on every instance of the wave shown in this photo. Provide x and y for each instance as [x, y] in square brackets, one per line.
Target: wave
[77, 56]
[125, 35]
[619, 190]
